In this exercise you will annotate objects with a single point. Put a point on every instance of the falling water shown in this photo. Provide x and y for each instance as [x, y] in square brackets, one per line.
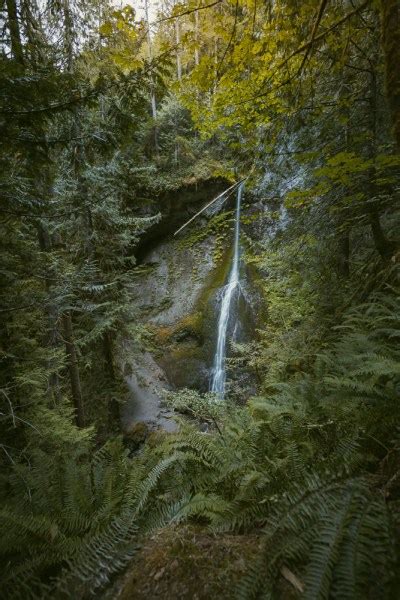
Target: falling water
[229, 293]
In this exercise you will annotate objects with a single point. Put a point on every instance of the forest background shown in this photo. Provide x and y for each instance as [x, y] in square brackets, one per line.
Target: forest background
[99, 122]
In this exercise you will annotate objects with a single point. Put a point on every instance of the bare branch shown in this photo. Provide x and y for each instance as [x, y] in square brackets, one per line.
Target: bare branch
[320, 13]
[221, 195]
[4, 310]
[11, 406]
[230, 40]
[186, 12]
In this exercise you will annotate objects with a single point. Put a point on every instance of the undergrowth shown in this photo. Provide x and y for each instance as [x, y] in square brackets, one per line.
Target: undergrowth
[313, 468]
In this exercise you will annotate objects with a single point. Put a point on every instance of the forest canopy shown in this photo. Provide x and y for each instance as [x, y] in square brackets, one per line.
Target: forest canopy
[199, 299]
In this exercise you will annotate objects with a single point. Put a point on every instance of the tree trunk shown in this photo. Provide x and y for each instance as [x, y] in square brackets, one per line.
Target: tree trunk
[196, 37]
[344, 254]
[83, 203]
[384, 246]
[343, 226]
[152, 86]
[51, 338]
[73, 368]
[68, 33]
[178, 50]
[15, 34]
[150, 55]
[79, 149]
[390, 15]
[113, 408]
[108, 354]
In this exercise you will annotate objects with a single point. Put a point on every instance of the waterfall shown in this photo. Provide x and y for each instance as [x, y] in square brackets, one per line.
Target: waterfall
[228, 294]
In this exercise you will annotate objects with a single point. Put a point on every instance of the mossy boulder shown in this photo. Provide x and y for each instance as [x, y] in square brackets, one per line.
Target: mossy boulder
[188, 563]
[136, 434]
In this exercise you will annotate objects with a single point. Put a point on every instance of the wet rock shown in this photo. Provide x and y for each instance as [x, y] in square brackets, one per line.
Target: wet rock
[146, 383]
[177, 296]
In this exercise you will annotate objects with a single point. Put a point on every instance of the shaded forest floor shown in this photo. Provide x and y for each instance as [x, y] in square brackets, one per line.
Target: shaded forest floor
[189, 563]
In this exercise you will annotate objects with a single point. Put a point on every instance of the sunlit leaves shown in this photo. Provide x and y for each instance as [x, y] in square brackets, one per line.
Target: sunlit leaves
[346, 170]
[122, 38]
[250, 72]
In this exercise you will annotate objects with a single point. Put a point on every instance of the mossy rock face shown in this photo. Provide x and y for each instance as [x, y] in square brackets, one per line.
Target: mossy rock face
[180, 352]
[187, 330]
[185, 348]
[177, 207]
[178, 294]
[185, 369]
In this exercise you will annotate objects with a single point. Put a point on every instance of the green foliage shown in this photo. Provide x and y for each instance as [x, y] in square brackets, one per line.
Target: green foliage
[219, 225]
[310, 462]
[67, 513]
[340, 530]
[200, 406]
[299, 464]
[67, 510]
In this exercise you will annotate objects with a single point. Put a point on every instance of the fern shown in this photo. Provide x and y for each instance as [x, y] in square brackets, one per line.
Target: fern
[84, 527]
[294, 466]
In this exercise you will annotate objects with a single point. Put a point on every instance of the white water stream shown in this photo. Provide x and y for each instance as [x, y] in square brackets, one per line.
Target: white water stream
[230, 292]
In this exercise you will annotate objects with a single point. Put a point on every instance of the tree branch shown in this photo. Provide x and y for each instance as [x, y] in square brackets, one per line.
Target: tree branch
[321, 35]
[230, 40]
[186, 12]
[301, 49]
[320, 13]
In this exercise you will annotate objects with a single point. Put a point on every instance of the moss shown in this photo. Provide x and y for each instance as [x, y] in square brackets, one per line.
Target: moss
[136, 434]
[220, 225]
[199, 234]
[166, 303]
[191, 323]
[160, 335]
[189, 563]
[156, 438]
[251, 218]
